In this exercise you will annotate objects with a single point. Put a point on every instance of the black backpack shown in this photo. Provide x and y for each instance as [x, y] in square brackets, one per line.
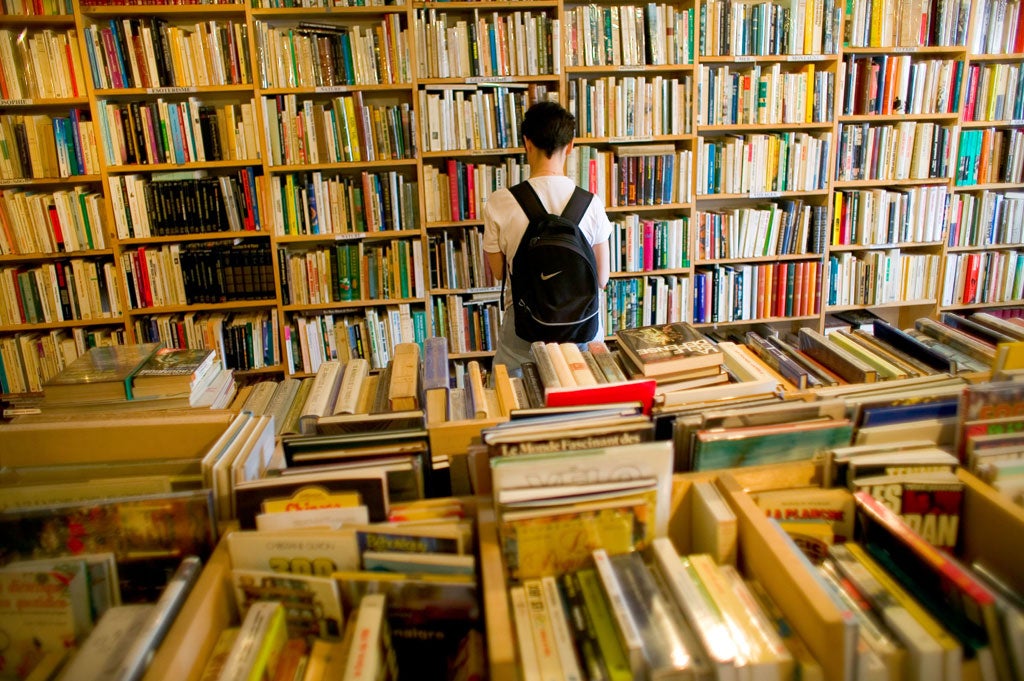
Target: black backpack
[554, 272]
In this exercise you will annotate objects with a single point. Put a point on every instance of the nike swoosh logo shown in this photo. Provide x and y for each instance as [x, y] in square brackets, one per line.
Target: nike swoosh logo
[545, 277]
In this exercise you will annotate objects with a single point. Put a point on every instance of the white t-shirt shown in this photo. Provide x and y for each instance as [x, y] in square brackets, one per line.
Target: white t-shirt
[505, 222]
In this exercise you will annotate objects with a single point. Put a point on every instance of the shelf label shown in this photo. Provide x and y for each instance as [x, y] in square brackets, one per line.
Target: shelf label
[904, 49]
[805, 57]
[14, 180]
[744, 58]
[765, 195]
[331, 88]
[1017, 121]
[630, 138]
[483, 80]
[349, 236]
[171, 90]
[16, 102]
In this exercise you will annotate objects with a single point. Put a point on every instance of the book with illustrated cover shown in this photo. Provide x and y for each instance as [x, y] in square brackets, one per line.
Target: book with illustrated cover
[313, 604]
[371, 485]
[42, 609]
[668, 348]
[103, 373]
[929, 502]
[832, 505]
[171, 371]
[432, 617]
[732, 447]
[148, 535]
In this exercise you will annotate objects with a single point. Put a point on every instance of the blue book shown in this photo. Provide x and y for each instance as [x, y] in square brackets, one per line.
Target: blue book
[91, 53]
[60, 139]
[76, 140]
[122, 65]
[176, 141]
[419, 328]
[5, 386]
[668, 179]
[314, 217]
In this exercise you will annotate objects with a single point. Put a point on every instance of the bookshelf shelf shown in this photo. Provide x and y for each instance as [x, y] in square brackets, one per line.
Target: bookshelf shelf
[349, 305]
[1009, 304]
[628, 68]
[758, 320]
[759, 259]
[649, 208]
[886, 118]
[487, 4]
[644, 139]
[981, 249]
[765, 127]
[623, 274]
[231, 305]
[926, 50]
[346, 236]
[113, 93]
[992, 186]
[997, 57]
[908, 303]
[490, 80]
[118, 11]
[42, 20]
[872, 247]
[172, 167]
[767, 58]
[762, 195]
[37, 257]
[71, 324]
[908, 182]
[968, 125]
[476, 354]
[479, 290]
[43, 181]
[325, 12]
[453, 223]
[337, 89]
[344, 166]
[475, 153]
[179, 238]
[49, 101]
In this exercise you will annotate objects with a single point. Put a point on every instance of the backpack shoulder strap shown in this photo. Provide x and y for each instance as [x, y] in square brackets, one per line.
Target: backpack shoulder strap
[578, 204]
[526, 195]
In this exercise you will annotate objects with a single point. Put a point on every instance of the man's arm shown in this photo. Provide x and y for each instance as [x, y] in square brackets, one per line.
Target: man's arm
[497, 264]
[601, 256]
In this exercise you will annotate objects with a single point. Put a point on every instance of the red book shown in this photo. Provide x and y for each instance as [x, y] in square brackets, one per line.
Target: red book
[641, 391]
[781, 274]
[798, 287]
[58, 234]
[453, 190]
[142, 268]
[762, 294]
[470, 192]
[971, 277]
[248, 219]
[648, 244]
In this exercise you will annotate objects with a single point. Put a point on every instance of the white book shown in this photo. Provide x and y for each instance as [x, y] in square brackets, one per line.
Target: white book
[714, 526]
[322, 395]
[558, 616]
[356, 372]
[629, 634]
[528, 661]
[548, 656]
[263, 627]
[115, 629]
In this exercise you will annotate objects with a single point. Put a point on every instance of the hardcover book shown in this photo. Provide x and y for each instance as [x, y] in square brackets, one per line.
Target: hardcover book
[172, 371]
[102, 373]
[668, 348]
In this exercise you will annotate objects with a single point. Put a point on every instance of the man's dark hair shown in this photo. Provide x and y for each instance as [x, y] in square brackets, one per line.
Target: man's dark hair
[549, 126]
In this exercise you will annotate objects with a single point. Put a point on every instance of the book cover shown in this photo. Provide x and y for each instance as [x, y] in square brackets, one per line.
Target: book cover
[313, 603]
[172, 370]
[370, 485]
[102, 373]
[668, 348]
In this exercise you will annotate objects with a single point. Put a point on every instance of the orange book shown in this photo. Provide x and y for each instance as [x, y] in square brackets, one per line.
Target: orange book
[766, 293]
[759, 300]
[798, 288]
[781, 272]
[985, 157]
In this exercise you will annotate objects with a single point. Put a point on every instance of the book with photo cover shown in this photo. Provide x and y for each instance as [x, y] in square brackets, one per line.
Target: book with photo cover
[171, 371]
[668, 348]
[103, 373]
[148, 535]
[371, 486]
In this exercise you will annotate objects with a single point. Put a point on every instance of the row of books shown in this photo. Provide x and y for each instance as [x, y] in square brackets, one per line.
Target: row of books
[189, 202]
[1004, 34]
[641, 175]
[352, 271]
[477, 117]
[763, 163]
[40, 64]
[629, 35]
[492, 45]
[342, 204]
[152, 53]
[908, 150]
[778, 228]
[729, 293]
[763, 95]
[26, 357]
[324, 55]
[987, 443]
[906, 23]
[469, 185]
[457, 260]
[881, 277]
[989, 156]
[40, 146]
[645, 245]
[768, 29]
[75, 289]
[631, 106]
[895, 84]
[198, 272]
[243, 340]
[344, 129]
[629, 302]
[878, 217]
[62, 222]
[995, 92]
[470, 322]
[150, 133]
[985, 219]
[370, 334]
[36, 7]
[993, 277]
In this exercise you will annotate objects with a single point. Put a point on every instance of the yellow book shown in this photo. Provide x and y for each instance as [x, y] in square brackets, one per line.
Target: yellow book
[403, 391]
[475, 388]
[262, 636]
[352, 130]
[809, 113]
[503, 387]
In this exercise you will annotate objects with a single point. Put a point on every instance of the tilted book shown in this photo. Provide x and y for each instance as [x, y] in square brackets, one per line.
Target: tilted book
[668, 348]
[102, 373]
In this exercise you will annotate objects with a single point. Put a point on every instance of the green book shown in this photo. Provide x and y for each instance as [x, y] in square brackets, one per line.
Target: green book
[101, 374]
[604, 625]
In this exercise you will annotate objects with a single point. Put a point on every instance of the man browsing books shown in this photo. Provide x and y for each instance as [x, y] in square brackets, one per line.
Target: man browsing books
[553, 303]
